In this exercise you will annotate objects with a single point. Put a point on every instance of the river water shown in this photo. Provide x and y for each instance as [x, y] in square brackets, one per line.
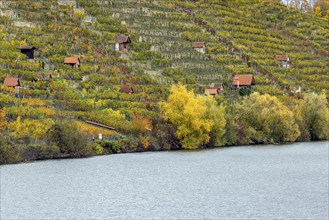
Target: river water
[258, 182]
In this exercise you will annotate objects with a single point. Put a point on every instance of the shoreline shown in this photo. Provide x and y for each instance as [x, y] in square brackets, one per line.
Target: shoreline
[176, 150]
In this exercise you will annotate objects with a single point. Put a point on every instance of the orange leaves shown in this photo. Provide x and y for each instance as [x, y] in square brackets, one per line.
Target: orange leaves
[141, 123]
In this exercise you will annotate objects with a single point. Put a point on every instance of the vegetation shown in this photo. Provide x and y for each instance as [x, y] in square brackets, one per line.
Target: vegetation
[62, 116]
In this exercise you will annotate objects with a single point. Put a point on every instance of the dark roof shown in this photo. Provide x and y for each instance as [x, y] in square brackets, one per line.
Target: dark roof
[127, 90]
[11, 81]
[71, 60]
[243, 80]
[198, 44]
[122, 39]
[281, 57]
[26, 47]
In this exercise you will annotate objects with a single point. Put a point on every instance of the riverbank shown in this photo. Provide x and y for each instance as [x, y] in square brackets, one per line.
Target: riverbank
[39, 152]
[185, 121]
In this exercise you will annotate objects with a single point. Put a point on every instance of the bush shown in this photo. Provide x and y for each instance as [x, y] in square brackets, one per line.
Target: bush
[125, 145]
[40, 151]
[164, 137]
[70, 141]
[9, 152]
[98, 149]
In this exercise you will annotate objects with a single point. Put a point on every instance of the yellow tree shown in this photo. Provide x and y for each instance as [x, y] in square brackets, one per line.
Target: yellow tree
[187, 113]
[323, 5]
[3, 123]
[18, 130]
[141, 123]
[216, 114]
[317, 11]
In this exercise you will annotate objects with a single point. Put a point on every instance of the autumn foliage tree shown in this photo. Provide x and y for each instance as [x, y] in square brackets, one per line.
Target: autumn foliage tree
[187, 113]
[322, 7]
[3, 123]
[216, 114]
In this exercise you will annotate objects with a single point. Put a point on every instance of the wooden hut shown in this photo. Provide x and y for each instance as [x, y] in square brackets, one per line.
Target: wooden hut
[72, 61]
[121, 42]
[127, 90]
[243, 81]
[28, 51]
[214, 89]
[199, 46]
[11, 82]
[285, 60]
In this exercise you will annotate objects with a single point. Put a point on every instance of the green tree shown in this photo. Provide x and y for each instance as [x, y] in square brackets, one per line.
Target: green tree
[313, 117]
[9, 152]
[268, 119]
[70, 141]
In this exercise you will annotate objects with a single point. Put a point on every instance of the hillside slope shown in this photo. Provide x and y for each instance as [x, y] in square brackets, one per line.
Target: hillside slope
[242, 37]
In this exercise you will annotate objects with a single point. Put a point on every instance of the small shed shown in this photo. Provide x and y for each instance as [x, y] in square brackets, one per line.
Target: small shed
[28, 51]
[285, 60]
[199, 46]
[214, 89]
[11, 82]
[127, 90]
[243, 81]
[72, 61]
[121, 42]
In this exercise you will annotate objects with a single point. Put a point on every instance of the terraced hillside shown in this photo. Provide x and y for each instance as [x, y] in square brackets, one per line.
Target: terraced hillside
[242, 37]
[266, 29]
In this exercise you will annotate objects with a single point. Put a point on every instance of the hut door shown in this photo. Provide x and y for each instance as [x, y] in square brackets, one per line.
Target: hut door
[117, 47]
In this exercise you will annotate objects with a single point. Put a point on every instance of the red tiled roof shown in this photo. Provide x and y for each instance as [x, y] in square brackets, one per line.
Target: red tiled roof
[26, 47]
[198, 44]
[243, 80]
[281, 57]
[122, 39]
[11, 81]
[71, 60]
[127, 90]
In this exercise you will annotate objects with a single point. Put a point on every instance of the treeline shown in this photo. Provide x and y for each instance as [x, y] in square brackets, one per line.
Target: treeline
[203, 121]
[319, 8]
[185, 121]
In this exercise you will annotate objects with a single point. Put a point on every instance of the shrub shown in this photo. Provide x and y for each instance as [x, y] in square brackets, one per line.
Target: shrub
[40, 151]
[70, 141]
[9, 152]
[125, 145]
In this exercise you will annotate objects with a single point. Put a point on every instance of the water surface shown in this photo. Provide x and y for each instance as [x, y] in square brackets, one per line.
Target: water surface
[262, 182]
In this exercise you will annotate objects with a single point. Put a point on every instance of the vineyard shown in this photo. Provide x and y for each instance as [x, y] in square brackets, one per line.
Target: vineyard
[241, 37]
